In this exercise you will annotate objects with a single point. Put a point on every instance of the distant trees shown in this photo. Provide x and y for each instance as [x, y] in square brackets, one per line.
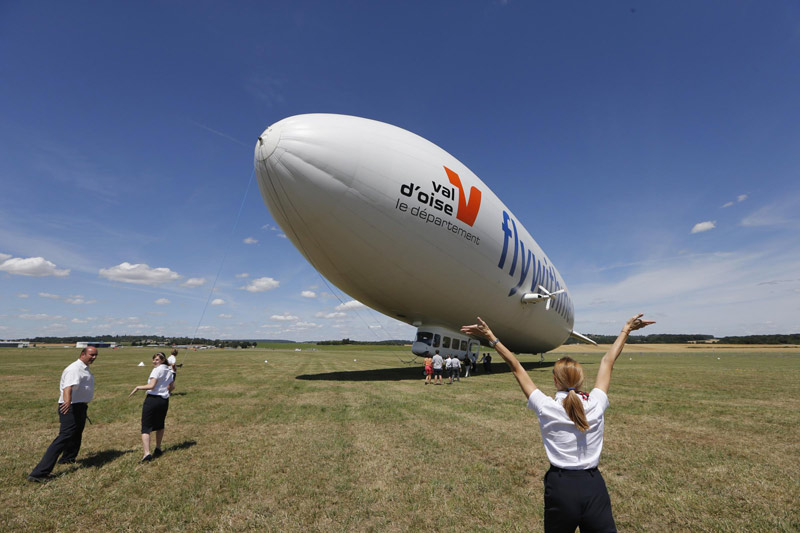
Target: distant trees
[793, 338]
[665, 338]
[393, 342]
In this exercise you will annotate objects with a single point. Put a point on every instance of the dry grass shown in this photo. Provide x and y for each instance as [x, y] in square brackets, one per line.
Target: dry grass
[314, 441]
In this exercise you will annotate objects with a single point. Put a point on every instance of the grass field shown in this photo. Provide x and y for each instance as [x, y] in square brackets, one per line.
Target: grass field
[349, 439]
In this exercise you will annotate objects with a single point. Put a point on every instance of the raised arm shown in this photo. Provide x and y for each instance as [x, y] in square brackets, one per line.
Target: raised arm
[482, 330]
[603, 380]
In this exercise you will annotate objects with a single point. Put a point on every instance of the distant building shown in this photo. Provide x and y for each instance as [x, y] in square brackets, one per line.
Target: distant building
[15, 344]
[705, 341]
[96, 344]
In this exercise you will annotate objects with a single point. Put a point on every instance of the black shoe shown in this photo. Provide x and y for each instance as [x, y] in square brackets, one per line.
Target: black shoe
[157, 453]
[38, 479]
[147, 458]
[67, 462]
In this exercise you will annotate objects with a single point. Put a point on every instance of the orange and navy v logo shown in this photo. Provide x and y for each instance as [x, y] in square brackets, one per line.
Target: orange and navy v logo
[467, 211]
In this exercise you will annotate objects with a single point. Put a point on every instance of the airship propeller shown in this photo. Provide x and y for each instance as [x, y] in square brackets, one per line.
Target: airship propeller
[534, 297]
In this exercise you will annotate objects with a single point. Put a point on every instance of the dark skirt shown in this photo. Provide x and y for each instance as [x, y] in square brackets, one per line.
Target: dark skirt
[154, 412]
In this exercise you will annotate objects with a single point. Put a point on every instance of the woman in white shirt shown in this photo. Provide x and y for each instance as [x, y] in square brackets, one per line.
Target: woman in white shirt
[156, 404]
[575, 493]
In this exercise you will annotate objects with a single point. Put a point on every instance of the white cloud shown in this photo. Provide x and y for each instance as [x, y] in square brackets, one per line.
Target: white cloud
[225, 315]
[193, 282]
[48, 295]
[3, 257]
[162, 301]
[700, 227]
[307, 325]
[741, 198]
[32, 266]
[261, 285]
[139, 274]
[218, 301]
[243, 275]
[727, 204]
[308, 294]
[284, 318]
[79, 300]
[22, 295]
[337, 314]
[79, 321]
[250, 240]
[352, 304]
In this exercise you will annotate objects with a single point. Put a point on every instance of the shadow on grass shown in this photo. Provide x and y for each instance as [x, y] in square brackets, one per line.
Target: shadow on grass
[99, 459]
[411, 373]
[180, 446]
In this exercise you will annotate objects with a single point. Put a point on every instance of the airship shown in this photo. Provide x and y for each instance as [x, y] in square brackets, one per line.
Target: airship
[404, 227]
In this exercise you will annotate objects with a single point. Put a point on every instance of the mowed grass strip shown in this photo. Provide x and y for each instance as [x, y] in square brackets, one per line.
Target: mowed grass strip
[696, 440]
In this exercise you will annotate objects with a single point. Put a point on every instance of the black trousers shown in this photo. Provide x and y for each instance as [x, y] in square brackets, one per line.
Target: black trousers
[68, 442]
[576, 498]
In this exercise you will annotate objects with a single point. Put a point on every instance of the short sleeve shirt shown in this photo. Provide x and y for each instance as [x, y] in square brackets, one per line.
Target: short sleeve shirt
[566, 446]
[171, 360]
[78, 375]
[437, 361]
[163, 379]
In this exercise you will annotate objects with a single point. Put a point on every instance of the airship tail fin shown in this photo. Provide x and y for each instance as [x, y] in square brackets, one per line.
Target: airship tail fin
[582, 338]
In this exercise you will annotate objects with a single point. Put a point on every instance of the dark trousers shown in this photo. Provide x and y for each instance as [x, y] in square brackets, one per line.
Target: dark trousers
[68, 442]
[576, 498]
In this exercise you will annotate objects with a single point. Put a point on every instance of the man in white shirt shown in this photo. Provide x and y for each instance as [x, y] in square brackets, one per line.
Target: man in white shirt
[438, 362]
[77, 390]
[455, 369]
[172, 361]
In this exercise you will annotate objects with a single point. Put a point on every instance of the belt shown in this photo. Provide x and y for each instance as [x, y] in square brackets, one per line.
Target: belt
[559, 469]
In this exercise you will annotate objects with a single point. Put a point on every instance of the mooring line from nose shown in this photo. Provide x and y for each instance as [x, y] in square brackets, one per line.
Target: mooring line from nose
[225, 256]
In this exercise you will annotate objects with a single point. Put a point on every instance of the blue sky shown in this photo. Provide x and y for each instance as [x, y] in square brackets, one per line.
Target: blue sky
[652, 149]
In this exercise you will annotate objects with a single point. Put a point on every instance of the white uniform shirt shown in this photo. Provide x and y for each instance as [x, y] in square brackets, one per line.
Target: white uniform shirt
[566, 446]
[77, 374]
[163, 379]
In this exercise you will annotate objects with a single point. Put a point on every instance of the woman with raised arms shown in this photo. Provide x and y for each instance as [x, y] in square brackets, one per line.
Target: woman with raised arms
[575, 494]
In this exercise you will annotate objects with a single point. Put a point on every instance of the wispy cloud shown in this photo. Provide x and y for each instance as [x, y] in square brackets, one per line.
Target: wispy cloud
[739, 199]
[162, 301]
[685, 293]
[49, 296]
[250, 240]
[785, 212]
[284, 318]
[308, 294]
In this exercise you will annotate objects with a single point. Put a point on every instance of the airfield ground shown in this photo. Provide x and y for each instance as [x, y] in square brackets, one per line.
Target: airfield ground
[698, 438]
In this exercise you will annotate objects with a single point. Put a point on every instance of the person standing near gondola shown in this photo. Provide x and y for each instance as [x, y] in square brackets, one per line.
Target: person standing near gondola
[571, 424]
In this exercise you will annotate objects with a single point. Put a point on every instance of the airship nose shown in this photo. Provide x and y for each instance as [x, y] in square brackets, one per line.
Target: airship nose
[267, 142]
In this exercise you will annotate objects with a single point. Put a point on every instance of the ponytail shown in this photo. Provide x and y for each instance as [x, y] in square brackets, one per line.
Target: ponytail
[574, 408]
[568, 374]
